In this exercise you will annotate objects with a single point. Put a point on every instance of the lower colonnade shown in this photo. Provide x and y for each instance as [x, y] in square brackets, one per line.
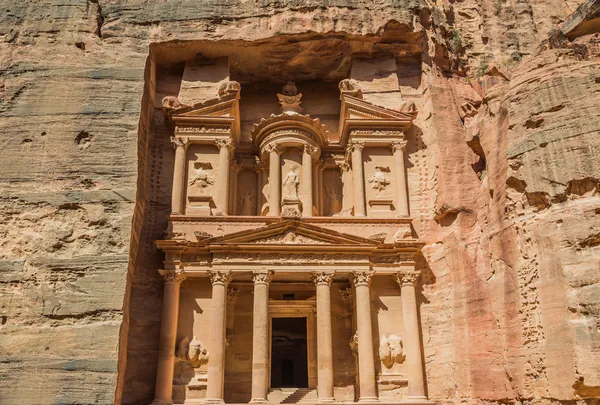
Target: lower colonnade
[367, 385]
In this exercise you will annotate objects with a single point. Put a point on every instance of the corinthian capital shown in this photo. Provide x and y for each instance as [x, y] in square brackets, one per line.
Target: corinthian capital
[180, 141]
[322, 277]
[173, 276]
[273, 148]
[262, 277]
[356, 146]
[399, 145]
[221, 143]
[362, 277]
[219, 277]
[310, 150]
[406, 278]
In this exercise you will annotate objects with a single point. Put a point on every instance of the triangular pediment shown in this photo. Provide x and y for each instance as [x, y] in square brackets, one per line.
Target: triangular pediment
[290, 232]
[216, 107]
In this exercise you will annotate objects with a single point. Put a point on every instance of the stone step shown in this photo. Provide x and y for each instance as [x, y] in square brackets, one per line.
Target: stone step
[292, 396]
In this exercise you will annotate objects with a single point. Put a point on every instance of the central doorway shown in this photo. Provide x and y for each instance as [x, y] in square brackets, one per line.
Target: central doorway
[289, 353]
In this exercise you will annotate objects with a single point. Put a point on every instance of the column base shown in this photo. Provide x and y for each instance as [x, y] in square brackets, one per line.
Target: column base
[161, 402]
[259, 401]
[325, 400]
[213, 401]
[368, 399]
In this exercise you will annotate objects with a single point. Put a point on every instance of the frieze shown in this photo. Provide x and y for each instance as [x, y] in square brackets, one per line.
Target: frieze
[319, 258]
[377, 132]
[289, 132]
[202, 130]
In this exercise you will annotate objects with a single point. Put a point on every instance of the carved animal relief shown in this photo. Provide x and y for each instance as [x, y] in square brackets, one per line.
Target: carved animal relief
[192, 352]
[201, 177]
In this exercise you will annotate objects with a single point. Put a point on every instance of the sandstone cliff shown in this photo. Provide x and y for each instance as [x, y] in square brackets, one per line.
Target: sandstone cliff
[510, 120]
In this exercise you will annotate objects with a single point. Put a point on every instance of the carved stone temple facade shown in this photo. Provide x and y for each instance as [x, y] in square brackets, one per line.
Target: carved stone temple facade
[291, 272]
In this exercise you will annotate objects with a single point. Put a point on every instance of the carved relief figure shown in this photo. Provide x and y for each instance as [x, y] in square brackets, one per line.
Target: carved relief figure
[201, 177]
[333, 200]
[390, 350]
[192, 352]
[246, 203]
[378, 181]
[291, 184]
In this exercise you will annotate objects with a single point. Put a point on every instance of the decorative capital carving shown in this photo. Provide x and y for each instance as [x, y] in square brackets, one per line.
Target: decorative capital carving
[274, 148]
[310, 150]
[289, 98]
[219, 277]
[229, 87]
[350, 87]
[171, 103]
[227, 143]
[399, 145]
[322, 277]
[262, 277]
[232, 294]
[356, 146]
[173, 276]
[180, 141]
[362, 277]
[406, 278]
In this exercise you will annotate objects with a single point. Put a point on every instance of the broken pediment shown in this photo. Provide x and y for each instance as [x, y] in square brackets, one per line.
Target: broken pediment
[290, 232]
[357, 114]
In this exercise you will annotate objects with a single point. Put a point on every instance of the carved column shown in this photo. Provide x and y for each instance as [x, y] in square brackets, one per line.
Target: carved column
[306, 195]
[398, 149]
[260, 336]
[168, 332]
[222, 184]
[218, 317]
[324, 336]
[358, 179]
[274, 181]
[366, 361]
[412, 338]
[180, 145]
[260, 181]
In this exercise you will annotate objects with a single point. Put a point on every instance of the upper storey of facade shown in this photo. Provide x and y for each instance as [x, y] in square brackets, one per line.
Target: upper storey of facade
[270, 158]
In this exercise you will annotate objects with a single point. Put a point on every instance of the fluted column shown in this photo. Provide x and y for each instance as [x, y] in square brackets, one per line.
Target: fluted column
[260, 336]
[216, 357]
[307, 181]
[398, 149]
[366, 361]
[324, 336]
[222, 184]
[358, 179]
[412, 338]
[180, 144]
[168, 332]
[274, 181]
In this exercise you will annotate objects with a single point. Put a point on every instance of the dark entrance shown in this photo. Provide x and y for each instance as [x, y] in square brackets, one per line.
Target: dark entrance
[289, 358]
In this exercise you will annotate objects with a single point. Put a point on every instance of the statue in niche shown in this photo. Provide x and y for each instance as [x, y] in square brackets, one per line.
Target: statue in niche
[378, 181]
[291, 184]
[332, 200]
[201, 177]
[390, 350]
[246, 203]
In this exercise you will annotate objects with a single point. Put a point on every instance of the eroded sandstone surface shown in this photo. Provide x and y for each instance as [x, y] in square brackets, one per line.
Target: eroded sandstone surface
[508, 191]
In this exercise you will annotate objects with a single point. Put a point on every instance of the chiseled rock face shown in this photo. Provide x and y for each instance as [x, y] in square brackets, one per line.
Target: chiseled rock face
[512, 227]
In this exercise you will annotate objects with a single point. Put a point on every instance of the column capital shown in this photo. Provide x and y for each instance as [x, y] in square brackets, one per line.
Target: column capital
[262, 277]
[309, 149]
[361, 278]
[344, 166]
[322, 277]
[356, 146]
[219, 277]
[227, 143]
[180, 141]
[399, 145]
[272, 147]
[173, 276]
[232, 294]
[406, 278]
